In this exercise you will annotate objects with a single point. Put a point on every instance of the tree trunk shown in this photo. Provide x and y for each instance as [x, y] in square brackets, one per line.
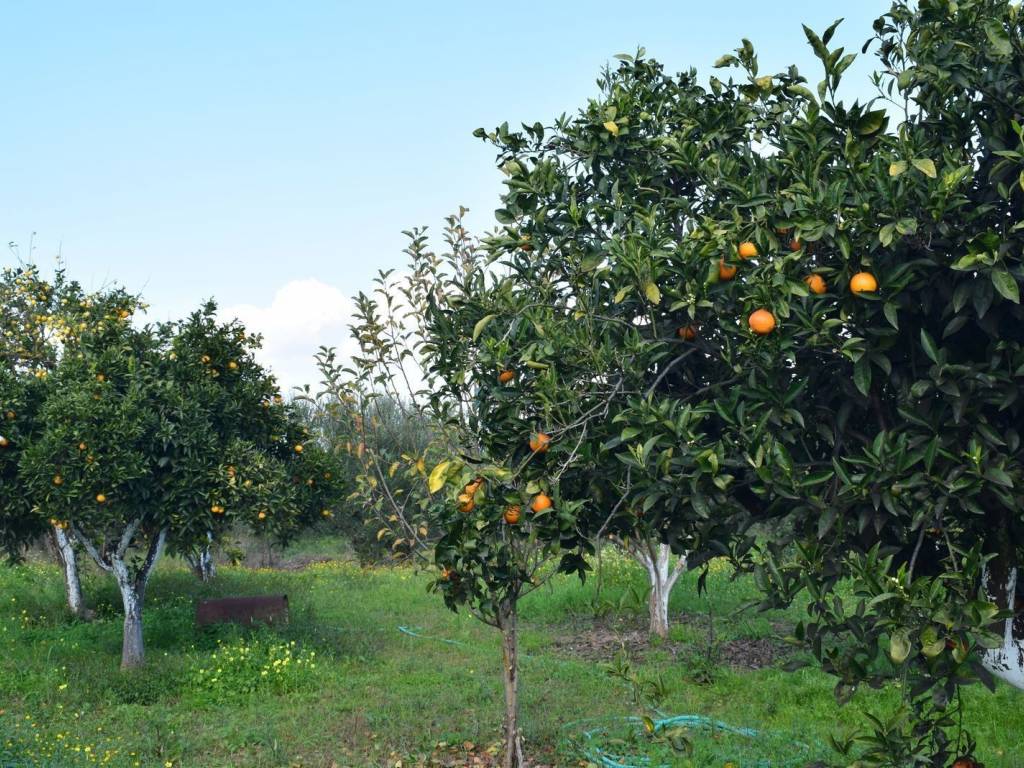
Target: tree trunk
[202, 563]
[1007, 661]
[133, 651]
[508, 624]
[133, 595]
[656, 558]
[68, 559]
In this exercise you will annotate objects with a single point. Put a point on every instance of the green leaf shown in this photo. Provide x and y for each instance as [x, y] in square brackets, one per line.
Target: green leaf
[998, 38]
[862, 375]
[799, 90]
[931, 644]
[480, 325]
[872, 122]
[897, 168]
[899, 646]
[928, 343]
[890, 312]
[1007, 286]
[925, 166]
[652, 293]
[999, 477]
[886, 234]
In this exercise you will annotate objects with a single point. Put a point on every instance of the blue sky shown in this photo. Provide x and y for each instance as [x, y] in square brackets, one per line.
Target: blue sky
[270, 153]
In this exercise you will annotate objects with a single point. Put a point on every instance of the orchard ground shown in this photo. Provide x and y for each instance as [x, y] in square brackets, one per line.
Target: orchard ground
[341, 685]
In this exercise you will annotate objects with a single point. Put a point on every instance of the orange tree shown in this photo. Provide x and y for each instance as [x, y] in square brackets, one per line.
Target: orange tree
[18, 524]
[43, 318]
[161, 435]
[814, 311]
[479, 498]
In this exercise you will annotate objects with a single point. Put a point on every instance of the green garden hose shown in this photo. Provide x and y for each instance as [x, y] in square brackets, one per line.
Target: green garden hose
[592, 751]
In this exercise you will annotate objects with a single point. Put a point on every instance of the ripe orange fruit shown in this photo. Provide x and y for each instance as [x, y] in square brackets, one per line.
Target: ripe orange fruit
[725, 271]
[298, 448]
[816, 283]
[217, 509]
[326, 513]
[474, 486]
[540, 502]
[58, 480]
[82, 446]
[100, 377]
[466, 503]
[761, 322]
[964, 762]
[205, 359]
[687, 332]
[101, 499]
[795, 244]
[512, 514]
[863, 282]
[446, 574]
[506, 376]
[10, 415]
[539, 442]
[262, 515]
[747, 250]
[232, 365]
[4, 442]
[783, 230]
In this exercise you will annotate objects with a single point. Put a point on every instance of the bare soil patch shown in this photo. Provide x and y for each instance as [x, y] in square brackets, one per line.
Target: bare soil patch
[604, 638]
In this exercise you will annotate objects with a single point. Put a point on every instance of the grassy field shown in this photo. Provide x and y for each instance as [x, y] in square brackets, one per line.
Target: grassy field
[342, 685]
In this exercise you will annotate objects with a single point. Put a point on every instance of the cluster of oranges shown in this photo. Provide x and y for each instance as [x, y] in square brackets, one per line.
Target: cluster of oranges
[762, 321]
[466, 500]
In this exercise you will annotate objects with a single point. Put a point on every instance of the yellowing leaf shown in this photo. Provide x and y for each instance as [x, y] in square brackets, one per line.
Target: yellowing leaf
[421, 466]
[897, 168]
[392, 469]
[612, 127]
[480, 325]
[653, 293]
[382, 533]
[899, 646]
[423, 530]
[437, 477]
[925, 166]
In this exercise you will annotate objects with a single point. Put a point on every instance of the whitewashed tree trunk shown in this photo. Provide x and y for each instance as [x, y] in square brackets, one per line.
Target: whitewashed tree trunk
[656, 558]
[202, 564]
[68, 558]
[1006, 662]
[131, 582]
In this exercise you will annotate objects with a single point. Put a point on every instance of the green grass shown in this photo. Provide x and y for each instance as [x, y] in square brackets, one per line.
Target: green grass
[357, 692]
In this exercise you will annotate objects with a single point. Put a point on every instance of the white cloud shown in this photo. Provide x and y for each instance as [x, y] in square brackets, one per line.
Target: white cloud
[303, 316]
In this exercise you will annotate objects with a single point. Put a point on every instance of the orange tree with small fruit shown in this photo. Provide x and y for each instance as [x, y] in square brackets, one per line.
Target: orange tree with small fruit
[847, 280]
[43, 318]
[160, 436]
[480, 501]
[18, 524]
